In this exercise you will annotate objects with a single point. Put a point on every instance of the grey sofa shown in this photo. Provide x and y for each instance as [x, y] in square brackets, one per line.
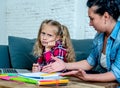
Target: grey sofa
[18, 52]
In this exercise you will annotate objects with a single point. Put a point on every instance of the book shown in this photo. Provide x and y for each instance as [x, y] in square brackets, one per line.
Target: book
[39, 78]
[46, 79]
[23, 79]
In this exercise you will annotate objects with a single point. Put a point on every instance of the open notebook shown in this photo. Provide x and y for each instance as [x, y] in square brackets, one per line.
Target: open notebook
[12, 70]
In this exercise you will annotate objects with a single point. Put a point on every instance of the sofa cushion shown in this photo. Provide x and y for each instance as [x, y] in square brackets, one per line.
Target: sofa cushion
[82, 48]
[80, 55]
[21, 52]
[4, 57]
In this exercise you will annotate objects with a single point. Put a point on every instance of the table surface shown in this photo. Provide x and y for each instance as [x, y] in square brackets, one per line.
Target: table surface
[74, 83]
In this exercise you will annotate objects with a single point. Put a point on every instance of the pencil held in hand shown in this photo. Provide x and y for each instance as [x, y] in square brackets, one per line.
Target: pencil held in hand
[36, 67]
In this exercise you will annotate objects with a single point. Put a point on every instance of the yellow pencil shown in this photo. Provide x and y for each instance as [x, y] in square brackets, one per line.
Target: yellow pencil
[49, 82]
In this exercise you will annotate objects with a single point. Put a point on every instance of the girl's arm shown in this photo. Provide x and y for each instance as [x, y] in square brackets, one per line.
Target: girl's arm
[60, 52]
[48, 52]
[56, 50]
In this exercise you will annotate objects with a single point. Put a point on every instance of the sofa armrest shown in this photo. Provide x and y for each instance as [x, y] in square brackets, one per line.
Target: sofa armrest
[4, 57]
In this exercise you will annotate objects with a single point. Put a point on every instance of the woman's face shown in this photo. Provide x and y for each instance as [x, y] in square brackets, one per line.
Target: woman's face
[48, 34]
[96, 20]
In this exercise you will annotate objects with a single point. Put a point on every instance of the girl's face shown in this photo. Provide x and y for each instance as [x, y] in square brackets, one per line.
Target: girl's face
[97, 21]
[48, 34]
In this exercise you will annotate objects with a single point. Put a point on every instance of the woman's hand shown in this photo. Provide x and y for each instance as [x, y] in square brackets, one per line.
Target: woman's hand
[81, 74]
[36, 67]
[58, 65]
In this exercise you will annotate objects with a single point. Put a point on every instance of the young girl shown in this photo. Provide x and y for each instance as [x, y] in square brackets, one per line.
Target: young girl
[53, 40]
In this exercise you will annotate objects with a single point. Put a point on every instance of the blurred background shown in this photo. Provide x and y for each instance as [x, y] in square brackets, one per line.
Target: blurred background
[22, 18]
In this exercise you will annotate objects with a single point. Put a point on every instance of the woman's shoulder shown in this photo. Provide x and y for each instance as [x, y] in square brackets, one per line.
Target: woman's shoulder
[118, 30]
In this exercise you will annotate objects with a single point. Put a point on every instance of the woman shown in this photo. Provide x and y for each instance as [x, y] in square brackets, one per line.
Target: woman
[103, 16]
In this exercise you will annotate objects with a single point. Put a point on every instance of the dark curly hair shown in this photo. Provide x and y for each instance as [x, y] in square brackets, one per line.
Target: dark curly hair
[110, 6]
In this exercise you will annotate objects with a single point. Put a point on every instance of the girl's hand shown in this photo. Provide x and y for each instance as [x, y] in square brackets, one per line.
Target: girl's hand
[58, 65]
[81, 74]
[50, 45]
[36, 67]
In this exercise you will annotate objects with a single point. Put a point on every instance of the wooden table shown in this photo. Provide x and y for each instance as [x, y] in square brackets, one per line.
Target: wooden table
[74, 83]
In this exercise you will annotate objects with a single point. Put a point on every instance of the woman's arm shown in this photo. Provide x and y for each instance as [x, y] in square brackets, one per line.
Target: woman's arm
[103, 77]
[81, 74]
[59, 65]
[78, 65]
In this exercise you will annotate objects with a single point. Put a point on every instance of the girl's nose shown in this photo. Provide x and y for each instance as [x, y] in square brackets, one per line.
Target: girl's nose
[45, 37]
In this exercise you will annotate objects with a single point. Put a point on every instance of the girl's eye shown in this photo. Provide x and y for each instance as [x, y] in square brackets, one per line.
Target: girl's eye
[43, 33]
[49, 35]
